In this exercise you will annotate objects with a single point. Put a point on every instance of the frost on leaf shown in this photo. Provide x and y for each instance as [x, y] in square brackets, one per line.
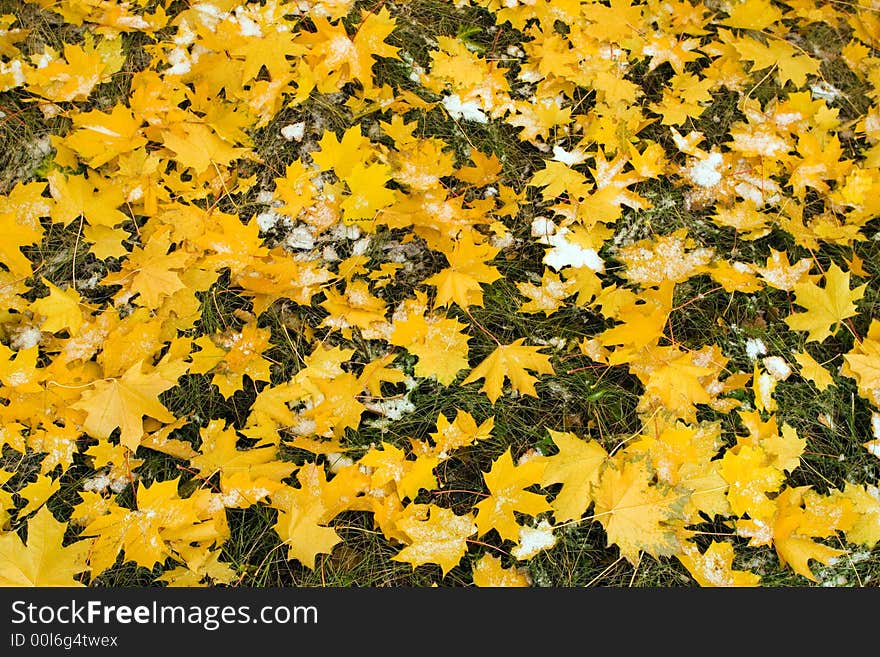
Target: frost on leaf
[637, 515]
[435, 535]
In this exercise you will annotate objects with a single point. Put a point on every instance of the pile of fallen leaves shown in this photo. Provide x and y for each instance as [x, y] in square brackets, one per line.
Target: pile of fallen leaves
[156, 189]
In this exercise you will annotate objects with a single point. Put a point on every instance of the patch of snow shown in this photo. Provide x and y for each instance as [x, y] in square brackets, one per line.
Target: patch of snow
[469, 111]
[777, 367]
[568, 254]
[705, 172]
[180, 61]
[13, 68]
[543, 227]
[391, 409]
[98, 483]
[133, 22]
[247, 26]
[568, 158]
[501, 241]
[755, 347]
[337, 462]
[49, 110]
[824, 91]
[266, 197]
[534, 539]
[360, 246]
[341, 231]
[269, 219]
[25, 338]
[329, 254]
[294, 131]
[764, 389]
[119, 484]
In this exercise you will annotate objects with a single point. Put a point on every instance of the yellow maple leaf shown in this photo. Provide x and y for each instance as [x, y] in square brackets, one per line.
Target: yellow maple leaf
[37, 493]
[684, 99]
[462, 431]
[752, 14]
[673, 257]
[355, 307]
[865, 499]
[506, 482]
[714, 567]
[20, 373]
[123, 402]
[677, 380]
[160, 440]
[10, 36]
[795, 525]
[791, 62]
[218, 453]
[735, 277]
[98, 137]
[296, 189]
[637, 515]
[377, 371]
[60, 309]
[438, 341]
[106, 242]
[338, 407]
[510, 361]
[862, 363]
[151, 272]
[745, 218]
[17, 235]
[409, 476]
[576, 466]
[813, 371]
[92, 197]
[782, 446]
[368, 193]
[342, 155]
[436, 535]
[642, 317]
[750, 477]
[485, 171]
[460, 282]
[197, 145]
[547, 297]
[303, 517]
[43, 560]
[74, 76]
[145, 534]
[778, 272]
[489, 572]
[244, 357]
[25, 201]
[826, 306]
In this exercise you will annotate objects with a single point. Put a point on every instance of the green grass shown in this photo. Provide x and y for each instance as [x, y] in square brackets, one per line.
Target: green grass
[583, 398]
